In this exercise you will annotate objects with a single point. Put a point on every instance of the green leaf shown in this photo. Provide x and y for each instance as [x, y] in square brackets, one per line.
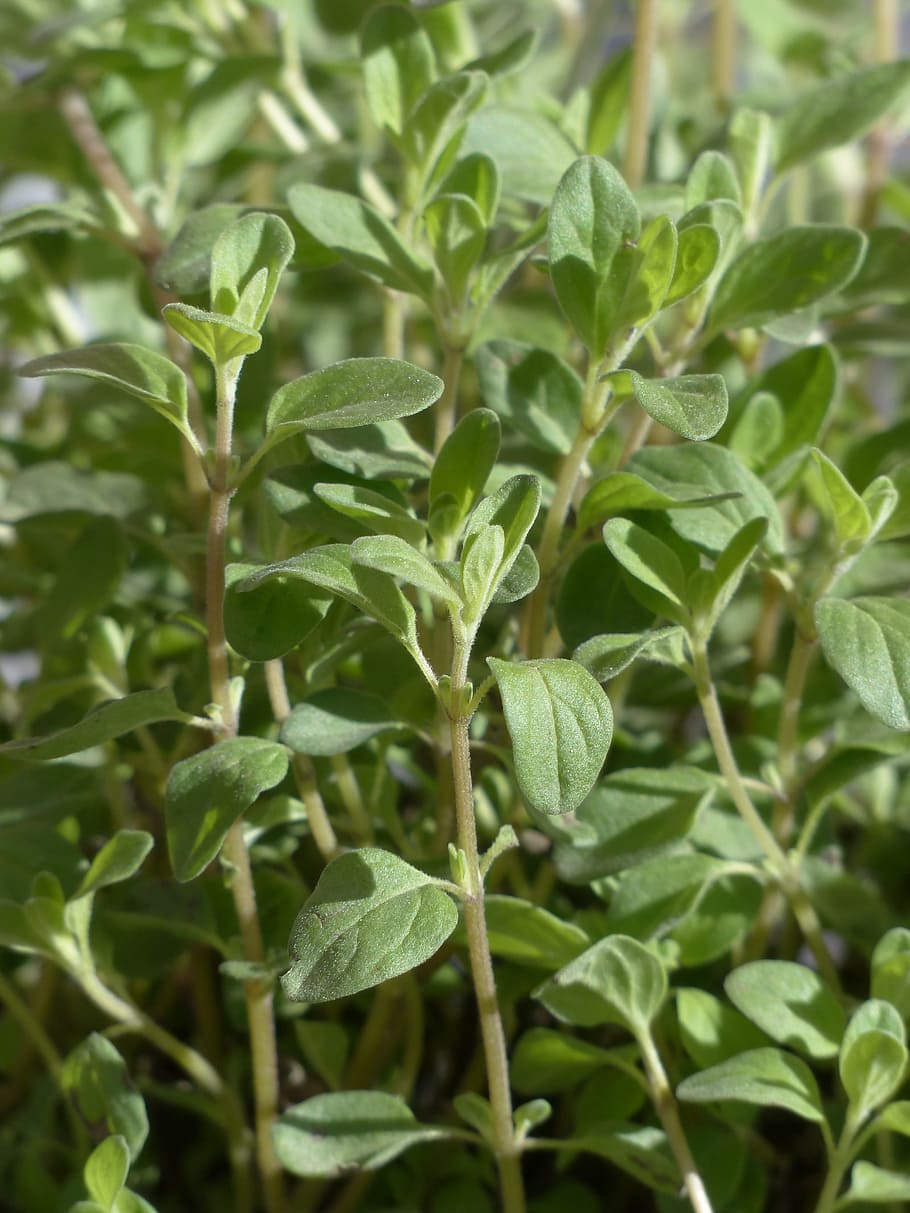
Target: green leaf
[654, 896]
[119, 859]
[529, 935]
[106, 1170]
[510, 58]
[39, 217]
[355, 392]
[390, 554]
[640, 1150]
[561, 725]
[481, 560]
[710, 592]
[867, 641]
[697, 253]
[97, 1077]
[592, 216]
[873, 1056]
[548, 1061]
[530, 151]
[608, 655]
[330, 1135]
[791, 1004]
[477, 177]
[806, 385]
[618, 980]
[104, 723]
[221, 338]
[895, 1118]
[619, 492]
[693, 406]
[710, 469]
[838, 112]
[374, 511]
[361, 235]
[457, 234]
[371, 917]
[151, 377]
[883, 276]
[521, 578]
[335, 721]
[768, 1078]
[643, 276]
[248, 258]
[331, 567]
[185, 265]
[270, 620]
[784, 273]
[852, 523]
[533, 390]
[398, 64]
[630, 816]
[89, 572]
[750, 136]
[891, 969]
[712, 176]
[609, 97]
[513, 507]
[710, 1031]
[874, 1185]
[652, 563]
[436, 125]
[382, 451]
[208, 792]
[464, 463]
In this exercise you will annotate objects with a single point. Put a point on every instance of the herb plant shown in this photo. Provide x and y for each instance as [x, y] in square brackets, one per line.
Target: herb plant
[455, 734]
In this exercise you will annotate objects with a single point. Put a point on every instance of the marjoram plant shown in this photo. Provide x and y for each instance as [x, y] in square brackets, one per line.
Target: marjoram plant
[454, 737]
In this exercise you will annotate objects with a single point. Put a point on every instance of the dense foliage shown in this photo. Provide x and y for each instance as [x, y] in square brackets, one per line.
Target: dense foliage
[456, 534]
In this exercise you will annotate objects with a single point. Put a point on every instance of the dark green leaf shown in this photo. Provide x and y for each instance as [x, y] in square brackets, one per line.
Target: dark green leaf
[335, 721]
[652, 563]
[104, 723]
[533, 390]
[96, 1075]
[530, 935]
[465, 461]
[270, 620]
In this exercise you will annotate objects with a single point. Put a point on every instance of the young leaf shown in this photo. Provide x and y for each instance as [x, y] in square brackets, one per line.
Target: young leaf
[712, 176]
[697, 253]
[270, 620]
[642, 276]
[398, 64]
[477, 177]
[151, 377]
[329, 1135]
[248, 258]
[791, 1004]
[768, 1078]
[481, 560]
[548, 1061]
[103, 723]
[593, 215]
[514, 507]
[457, 234]
[873, 1056]
[465, 461]
[184, 268]
[436, 125]
[710, 592]
[390, 554]
[355, 392]
[784, 273]
[221, 338]
[619, 492]
[371, 917]
[867, 641]
[106, 1170]
[521, 578]
[838, 112]
[335, 721]
[561, 725]
[870, 1184]
[852, 523]
[891, 969]
[96, 1076]
[119, 858]
[750, 136]
[375, 511]
[693, 406]
[361, 235]
[208, 792]
[618, 980]
[652, 563]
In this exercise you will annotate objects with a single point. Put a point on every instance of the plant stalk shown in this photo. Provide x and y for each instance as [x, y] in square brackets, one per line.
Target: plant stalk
[644, 47]
[724, 53]
[506, 1148]
[665, 1105]
[447, 406]
[257, 991]
[802, 908]
[887, 27]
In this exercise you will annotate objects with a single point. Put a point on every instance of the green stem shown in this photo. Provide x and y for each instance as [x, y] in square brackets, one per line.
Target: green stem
[505, 1146]
[665, 1106]
[838, 1163]
[780, 864]
[447, 405]
[887, 25]
[352, 798]
[257, 992]
[644, 47]
[302, 767]
[724, 53]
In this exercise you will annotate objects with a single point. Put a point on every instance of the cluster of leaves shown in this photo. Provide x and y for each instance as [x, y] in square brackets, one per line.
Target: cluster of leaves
[583, 663]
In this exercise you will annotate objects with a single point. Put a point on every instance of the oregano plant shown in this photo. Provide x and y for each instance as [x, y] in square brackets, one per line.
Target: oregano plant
[455, 644]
